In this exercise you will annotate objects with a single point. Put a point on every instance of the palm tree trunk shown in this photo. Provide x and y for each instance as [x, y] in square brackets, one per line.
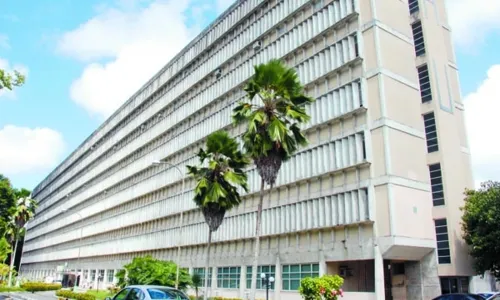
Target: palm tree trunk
[205, 296]
[257, 241]
[12, 259]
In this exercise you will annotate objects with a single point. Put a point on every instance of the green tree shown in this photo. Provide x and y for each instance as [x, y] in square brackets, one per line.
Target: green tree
[196, 283]
[481, 227]
[147, 270]
[23, 212]
[218, 179]
[273, 134]
[11, 80]
[5, 249]
[7, 203]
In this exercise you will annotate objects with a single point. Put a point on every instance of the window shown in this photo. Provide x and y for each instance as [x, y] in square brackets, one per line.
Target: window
[418, 38]
[228, 277]
[413, 4]
[111, 276]
[436, 184]
[121, 295]
[201, 272]
[269, 270]
[443, 244]
[452, 285]
[135, 294]
[431, 133]
[425, 84]
[160, 293]
[281, 29]
[92, 275]
[292, 274]
[101, 275]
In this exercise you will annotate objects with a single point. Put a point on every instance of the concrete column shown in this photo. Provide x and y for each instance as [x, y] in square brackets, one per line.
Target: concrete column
[277, 279]
[243, 281]
[96, 279]
[213, 286]
[379, 273]
[105, 279]
[115, 281]
[423, 278]
[322, 264]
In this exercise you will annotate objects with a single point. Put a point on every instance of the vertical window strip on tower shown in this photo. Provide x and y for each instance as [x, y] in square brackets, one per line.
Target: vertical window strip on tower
[418, 38]
[443, 244]
[425, 83]
[431, 133]
[413, 4]
[436, 184]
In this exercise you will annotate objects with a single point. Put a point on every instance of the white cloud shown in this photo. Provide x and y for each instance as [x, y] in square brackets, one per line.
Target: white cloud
[222, 5]
[27, 150]
[137, 42]
[481, 112]
[5, 65]
[472, 20]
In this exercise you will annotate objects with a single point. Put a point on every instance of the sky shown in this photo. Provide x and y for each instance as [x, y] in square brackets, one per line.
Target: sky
[83, 59]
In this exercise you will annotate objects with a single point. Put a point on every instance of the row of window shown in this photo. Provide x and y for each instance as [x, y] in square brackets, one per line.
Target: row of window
[229, 277]
[313, 29]
[443, 243]
[220, 55]
[324, 212]
[222, 28]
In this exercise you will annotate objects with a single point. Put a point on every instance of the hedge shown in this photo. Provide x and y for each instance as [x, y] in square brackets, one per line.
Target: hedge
[4, 289]
[72, 295]
[40, 286]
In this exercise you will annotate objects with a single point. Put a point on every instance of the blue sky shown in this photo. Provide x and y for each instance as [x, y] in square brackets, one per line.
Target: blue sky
[83, 58]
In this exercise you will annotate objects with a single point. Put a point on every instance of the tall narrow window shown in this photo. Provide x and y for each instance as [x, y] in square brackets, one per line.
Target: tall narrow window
[443, 243]
[436, 184]
[413, 4]
[431, 132]
[425, 83]
[418, 38]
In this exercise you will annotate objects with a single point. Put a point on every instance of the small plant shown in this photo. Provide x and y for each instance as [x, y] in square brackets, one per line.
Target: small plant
[113, 289]
[196, 283]
[327, 287]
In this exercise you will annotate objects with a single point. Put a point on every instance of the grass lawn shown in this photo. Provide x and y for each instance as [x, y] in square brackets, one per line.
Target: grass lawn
[100, 294]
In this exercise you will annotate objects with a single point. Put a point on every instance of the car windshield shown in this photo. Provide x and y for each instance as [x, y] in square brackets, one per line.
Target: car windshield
[159, 293]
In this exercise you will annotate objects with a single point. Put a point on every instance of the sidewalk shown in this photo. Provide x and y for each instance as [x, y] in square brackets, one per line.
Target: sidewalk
[48, 295]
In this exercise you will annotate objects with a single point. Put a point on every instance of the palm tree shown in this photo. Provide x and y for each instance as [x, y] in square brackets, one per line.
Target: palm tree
[218, 178]
[196, 280]
[24, 211]
[273, 134]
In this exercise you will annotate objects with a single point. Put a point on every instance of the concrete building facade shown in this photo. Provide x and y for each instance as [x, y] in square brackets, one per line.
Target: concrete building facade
[375, 196]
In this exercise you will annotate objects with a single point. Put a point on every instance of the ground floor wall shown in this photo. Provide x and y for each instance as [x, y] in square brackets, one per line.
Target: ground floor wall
[350, 251]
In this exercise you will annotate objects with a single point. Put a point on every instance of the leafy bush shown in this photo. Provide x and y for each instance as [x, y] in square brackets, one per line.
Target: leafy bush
[65, 294]
[327, 287]
[40, 286]
[10, 289]
[113, 289]
[147, 270]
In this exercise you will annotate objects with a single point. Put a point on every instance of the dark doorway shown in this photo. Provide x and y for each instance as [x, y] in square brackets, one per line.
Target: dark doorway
[387, 280]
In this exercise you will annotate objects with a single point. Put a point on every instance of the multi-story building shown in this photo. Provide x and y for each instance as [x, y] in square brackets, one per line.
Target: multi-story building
[380, 182]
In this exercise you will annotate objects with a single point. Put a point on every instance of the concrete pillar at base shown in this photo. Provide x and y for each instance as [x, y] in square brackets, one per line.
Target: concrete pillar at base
[379, 273]
[322, 264]
[243, 281]
[213, 286]
[423, 278]
[277, 279]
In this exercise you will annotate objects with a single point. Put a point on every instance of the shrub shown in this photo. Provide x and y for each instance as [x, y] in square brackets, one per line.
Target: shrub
[10, 289]
[65, 294]
[327, 287]
[113, 289]
[40, 286]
